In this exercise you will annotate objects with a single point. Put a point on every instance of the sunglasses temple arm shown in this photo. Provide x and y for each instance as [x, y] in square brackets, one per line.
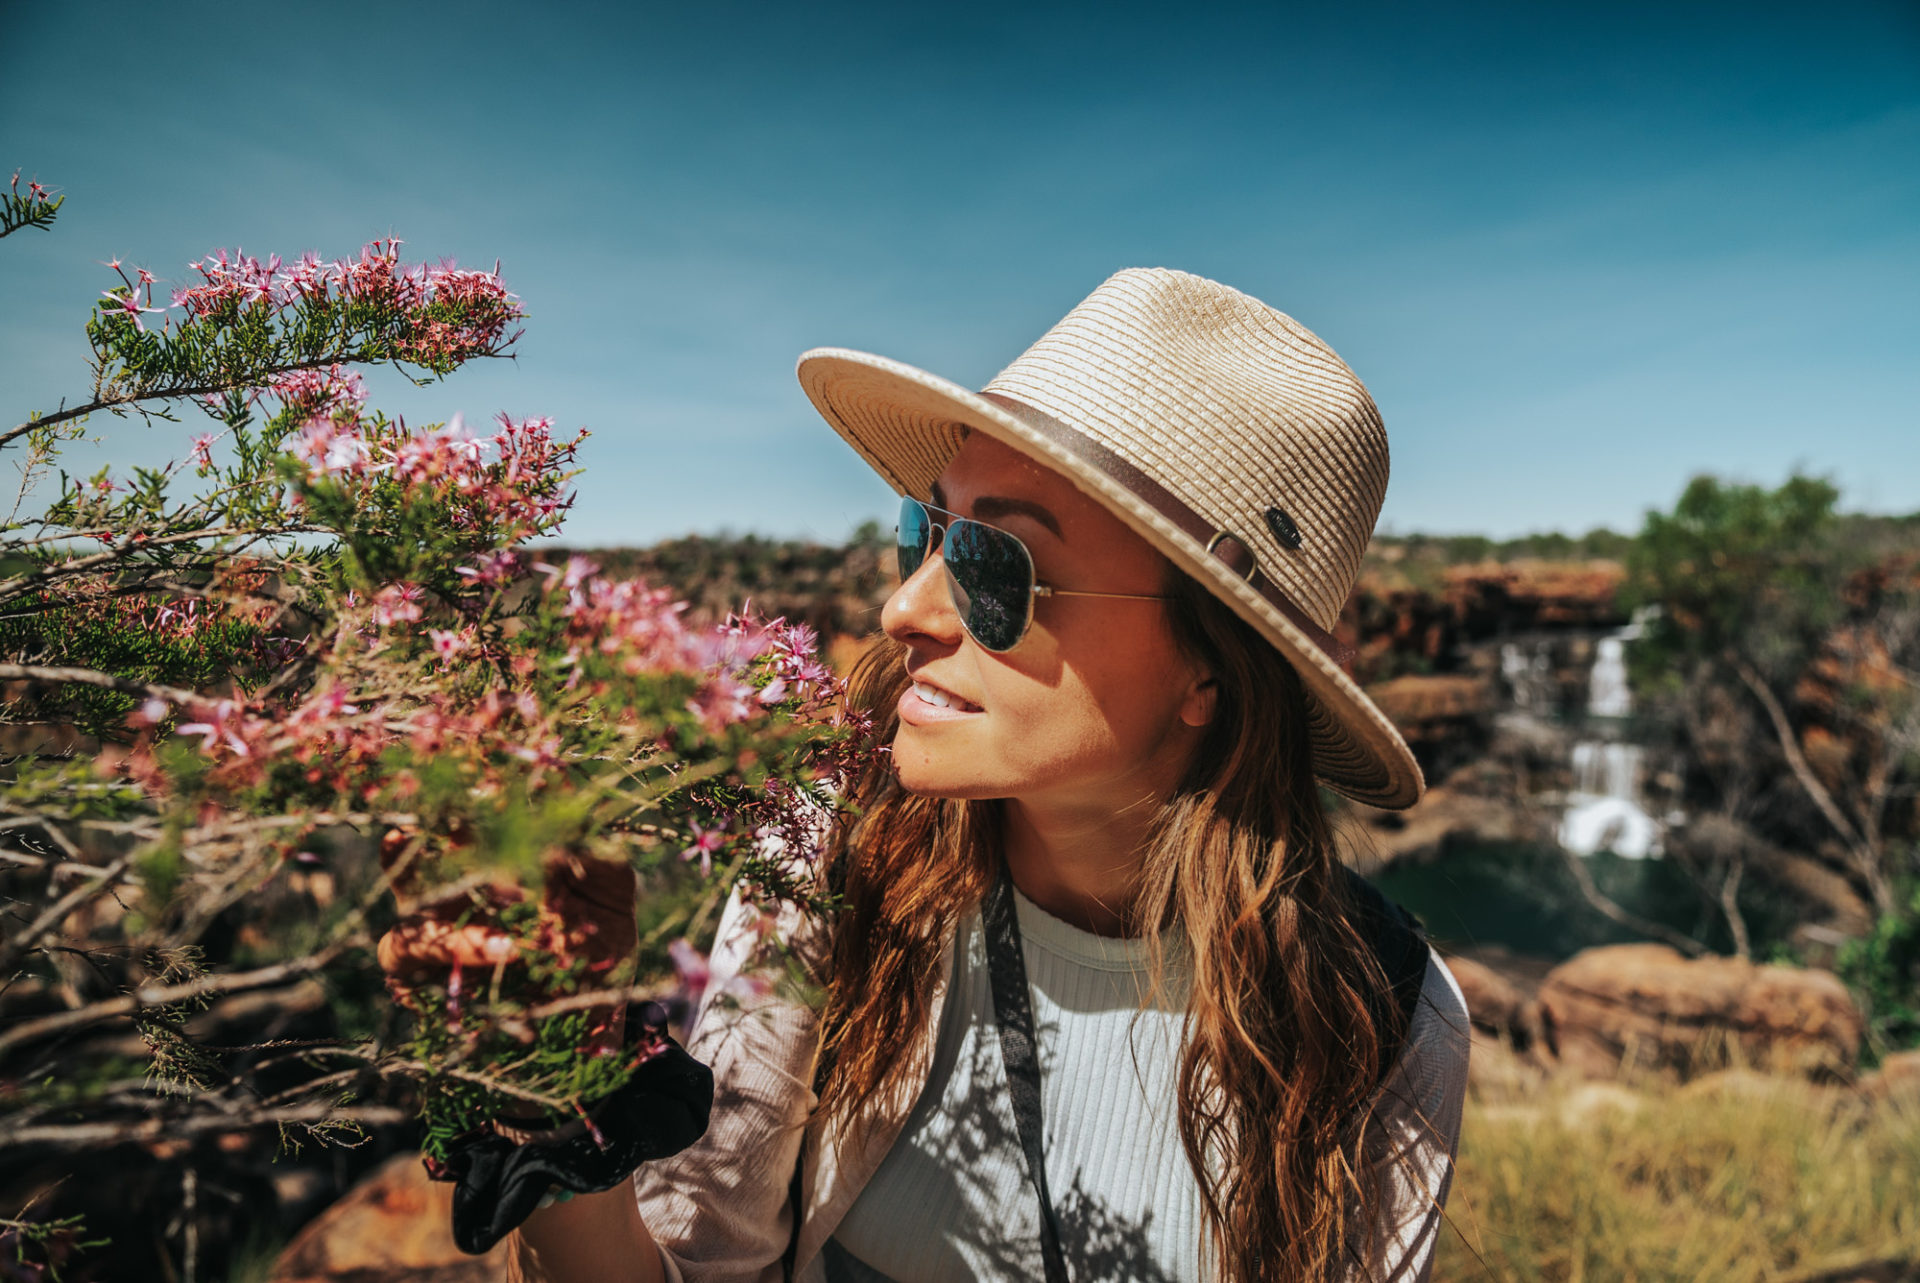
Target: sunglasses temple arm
[1043, 590]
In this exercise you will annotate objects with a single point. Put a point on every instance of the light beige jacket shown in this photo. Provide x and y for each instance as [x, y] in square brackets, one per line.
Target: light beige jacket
[720, 1211]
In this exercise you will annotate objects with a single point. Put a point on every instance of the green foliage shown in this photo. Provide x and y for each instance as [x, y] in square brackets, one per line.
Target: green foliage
[1421, 561]
[120, 635]
[32, 1249]
[37, 208]
[1883, 969]
[1737, 569]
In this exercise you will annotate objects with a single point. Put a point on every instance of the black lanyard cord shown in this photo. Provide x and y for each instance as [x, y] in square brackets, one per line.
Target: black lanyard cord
[1013, 1013]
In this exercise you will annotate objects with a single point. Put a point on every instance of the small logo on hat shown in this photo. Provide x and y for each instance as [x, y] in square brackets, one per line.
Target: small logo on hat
[1283, 528]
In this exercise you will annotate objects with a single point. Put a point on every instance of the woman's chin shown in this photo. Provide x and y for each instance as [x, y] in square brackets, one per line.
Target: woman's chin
[924, 778]
[937, 762]
[938, 784]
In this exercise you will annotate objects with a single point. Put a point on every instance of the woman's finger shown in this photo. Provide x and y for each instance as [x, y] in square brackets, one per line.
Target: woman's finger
[423, 944]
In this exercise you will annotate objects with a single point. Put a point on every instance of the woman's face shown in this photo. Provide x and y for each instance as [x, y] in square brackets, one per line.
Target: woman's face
[1095, 706]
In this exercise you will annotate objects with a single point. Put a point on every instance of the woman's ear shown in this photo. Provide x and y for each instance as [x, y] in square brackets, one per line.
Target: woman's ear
[1201, 699]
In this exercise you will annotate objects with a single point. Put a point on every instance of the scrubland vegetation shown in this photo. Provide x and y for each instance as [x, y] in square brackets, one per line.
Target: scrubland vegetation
[1734, 1178]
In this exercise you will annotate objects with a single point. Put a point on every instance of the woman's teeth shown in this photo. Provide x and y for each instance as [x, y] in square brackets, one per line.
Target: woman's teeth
[940, 699]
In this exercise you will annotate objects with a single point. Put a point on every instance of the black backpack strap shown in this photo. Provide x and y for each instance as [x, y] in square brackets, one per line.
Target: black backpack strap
[1400, 944]
[1013, 1013]
[796, 1194]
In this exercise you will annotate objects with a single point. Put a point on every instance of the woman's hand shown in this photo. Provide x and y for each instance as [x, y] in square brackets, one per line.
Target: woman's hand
[589, 1238]
[586, 915]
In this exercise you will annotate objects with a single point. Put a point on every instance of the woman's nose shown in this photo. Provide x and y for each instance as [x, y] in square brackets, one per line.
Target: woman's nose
[922, 607]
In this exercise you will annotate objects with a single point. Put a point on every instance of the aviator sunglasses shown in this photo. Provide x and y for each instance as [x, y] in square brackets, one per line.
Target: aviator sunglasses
[989, 573]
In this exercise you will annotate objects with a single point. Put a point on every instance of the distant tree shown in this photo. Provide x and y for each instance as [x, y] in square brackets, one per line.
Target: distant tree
[1785, 658]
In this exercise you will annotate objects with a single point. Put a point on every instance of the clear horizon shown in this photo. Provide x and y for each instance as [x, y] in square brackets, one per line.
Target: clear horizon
[1577, 258]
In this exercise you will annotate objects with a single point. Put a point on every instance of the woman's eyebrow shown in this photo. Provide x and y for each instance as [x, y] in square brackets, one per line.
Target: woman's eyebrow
[994, 507]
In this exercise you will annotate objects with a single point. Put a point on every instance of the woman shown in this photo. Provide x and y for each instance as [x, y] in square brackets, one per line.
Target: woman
[1101, 1003]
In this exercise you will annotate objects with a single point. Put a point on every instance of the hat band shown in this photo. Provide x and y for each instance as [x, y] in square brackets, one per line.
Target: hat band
[1223, 545]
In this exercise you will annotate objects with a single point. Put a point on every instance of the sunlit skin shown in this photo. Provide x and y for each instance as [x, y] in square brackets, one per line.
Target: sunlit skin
[1086, 725]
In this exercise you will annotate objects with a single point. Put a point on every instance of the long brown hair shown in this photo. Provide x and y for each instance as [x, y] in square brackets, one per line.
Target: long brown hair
[1285, 1023]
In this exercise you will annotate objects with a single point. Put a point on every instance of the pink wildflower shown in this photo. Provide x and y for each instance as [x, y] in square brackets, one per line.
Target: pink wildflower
[491, 569]
[448, 644]
[397, 604]
[690, 965]
[455, 985]
[703, 846]
[310, 393]
[126, 302]
[331, 450]
[225, 724]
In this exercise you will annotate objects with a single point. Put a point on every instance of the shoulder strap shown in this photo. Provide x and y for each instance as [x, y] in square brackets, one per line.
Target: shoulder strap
[1398, 941]
[1013, 1013]
[1400, 944]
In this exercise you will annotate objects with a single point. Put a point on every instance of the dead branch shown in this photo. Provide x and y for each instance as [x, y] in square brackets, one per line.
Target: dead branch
[1730, 906]
[94, 677]
[60, 910]
[11, 588]
[1632, 921]
[152, 996]
[380, 1063]
[175, 1126]
[1865, 857]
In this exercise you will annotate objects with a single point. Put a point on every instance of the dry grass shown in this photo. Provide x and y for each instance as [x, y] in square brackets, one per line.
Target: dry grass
[1737, 1178]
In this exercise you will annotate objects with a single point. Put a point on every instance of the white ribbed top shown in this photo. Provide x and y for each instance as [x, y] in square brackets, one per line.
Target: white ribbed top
[952, 1202]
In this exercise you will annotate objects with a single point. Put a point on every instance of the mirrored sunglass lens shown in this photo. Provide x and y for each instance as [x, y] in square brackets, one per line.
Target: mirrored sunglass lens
[912, 536]
[992, 576]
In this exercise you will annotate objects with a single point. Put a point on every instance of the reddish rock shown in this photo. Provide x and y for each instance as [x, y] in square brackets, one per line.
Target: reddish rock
[1646, 1006]
[393, 1227]
[1534, 594]
[1430, 707]
[1494, 1003]
[1422, 831]
[1897, 1078]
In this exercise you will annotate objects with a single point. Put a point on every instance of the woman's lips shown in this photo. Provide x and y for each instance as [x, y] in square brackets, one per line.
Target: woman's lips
[923, 704]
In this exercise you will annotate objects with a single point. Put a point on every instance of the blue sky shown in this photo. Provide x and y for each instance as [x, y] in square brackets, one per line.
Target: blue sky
[1577, 254]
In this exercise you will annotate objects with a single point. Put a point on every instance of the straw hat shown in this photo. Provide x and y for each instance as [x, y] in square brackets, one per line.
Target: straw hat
[1224, 432]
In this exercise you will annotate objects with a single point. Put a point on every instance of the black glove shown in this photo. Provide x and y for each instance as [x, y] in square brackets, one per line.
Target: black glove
[498, 1182]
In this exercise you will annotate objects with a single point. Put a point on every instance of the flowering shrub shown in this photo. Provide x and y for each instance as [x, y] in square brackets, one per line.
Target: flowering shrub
[241, 716]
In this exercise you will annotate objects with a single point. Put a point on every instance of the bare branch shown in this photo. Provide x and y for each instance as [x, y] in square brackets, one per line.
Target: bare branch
[174, 1126]
[600, 998]
[151, 996]
[11, 588]
[1865, 857]
[176, 393]
[60, 910]
[1730, 906]
[1632, 921]
[94, 677]
[382, 1064]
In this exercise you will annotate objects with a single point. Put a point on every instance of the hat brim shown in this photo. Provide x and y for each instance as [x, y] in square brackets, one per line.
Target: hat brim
[907, 424]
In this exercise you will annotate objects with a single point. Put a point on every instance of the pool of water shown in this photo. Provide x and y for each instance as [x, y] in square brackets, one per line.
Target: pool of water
[1522, 896]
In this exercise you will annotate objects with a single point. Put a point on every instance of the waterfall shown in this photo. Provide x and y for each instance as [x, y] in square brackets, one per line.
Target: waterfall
[1528, 671]
[1603, 810]
[1607, 693]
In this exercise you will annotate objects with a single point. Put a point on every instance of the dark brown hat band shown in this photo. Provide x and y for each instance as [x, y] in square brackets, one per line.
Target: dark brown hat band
[1224, 546]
